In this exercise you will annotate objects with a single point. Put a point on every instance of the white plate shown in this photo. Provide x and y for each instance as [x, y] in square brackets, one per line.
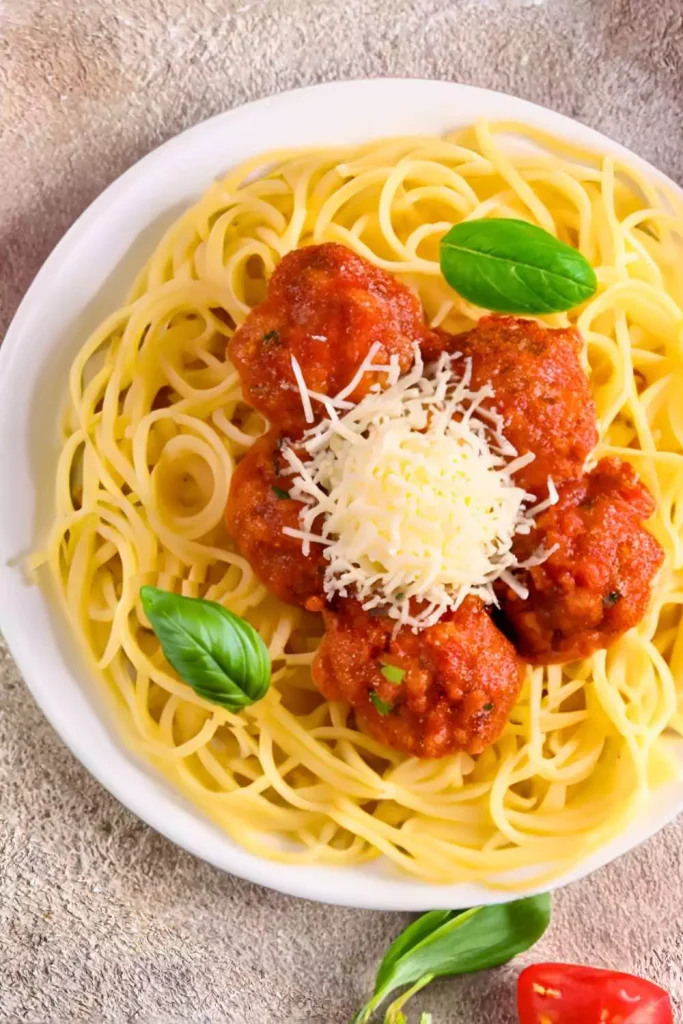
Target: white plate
[84, 279]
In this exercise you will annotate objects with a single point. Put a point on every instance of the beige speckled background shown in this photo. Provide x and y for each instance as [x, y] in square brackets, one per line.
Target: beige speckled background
[100, 918]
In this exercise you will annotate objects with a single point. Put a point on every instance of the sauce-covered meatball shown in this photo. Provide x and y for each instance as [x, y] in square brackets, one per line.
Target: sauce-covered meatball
[447, 688]
[596, 584]
[540, 390]
[325, 306]
[258, 508]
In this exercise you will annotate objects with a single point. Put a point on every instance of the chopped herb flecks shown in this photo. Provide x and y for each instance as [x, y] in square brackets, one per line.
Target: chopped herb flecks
[612, 598]
[281, 494]
[271, 338]
[392, 673]
[383, 706]
[488, 707]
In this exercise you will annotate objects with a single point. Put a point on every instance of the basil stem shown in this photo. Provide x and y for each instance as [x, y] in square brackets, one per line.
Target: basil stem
[395, 1015]
[445, 942]
[511, 266]
[217, 653]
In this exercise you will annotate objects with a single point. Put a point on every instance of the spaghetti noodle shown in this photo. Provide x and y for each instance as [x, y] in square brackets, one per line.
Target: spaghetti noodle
[156, 423]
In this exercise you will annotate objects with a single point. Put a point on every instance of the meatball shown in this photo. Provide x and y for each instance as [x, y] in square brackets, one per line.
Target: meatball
[447, 688]
[596, 583]
[258, 509]
[540, 390]
[325, 306]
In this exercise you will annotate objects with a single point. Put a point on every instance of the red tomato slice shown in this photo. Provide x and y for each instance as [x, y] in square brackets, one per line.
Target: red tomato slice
[569, 994]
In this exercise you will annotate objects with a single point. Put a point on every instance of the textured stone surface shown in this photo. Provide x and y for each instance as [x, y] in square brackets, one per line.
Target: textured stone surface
[100, 918]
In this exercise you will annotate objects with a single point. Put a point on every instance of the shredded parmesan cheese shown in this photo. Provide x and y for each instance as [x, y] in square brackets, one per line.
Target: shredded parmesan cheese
[305, 396]
[411, 491]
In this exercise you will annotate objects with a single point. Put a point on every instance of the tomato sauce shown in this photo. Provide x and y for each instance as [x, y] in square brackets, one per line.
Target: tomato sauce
[458, 678]
[258, 509]
[326, 306]
[539, 388]
[596, 584]
[451, 686]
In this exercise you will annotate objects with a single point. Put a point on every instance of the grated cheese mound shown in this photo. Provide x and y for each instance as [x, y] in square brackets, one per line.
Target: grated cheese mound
[411, 491]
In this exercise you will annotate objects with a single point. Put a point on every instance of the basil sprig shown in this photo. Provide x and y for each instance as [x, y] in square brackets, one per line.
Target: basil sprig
[217, 653]
[452, 942]
[510, 266]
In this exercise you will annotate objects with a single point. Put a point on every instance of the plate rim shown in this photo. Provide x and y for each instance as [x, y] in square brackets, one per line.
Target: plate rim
[396, 893]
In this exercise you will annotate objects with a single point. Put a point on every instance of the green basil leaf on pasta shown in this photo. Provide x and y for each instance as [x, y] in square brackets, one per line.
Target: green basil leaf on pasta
[217, 653]
[448, 943]
[510, 266]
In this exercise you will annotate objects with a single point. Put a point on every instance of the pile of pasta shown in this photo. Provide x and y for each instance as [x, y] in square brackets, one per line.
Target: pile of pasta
[156, 424]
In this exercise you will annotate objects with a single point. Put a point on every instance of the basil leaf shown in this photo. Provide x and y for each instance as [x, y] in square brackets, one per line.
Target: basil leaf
[458, 942]
[475, 939]
[409, 938]
[217, 653]
[510, 266]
